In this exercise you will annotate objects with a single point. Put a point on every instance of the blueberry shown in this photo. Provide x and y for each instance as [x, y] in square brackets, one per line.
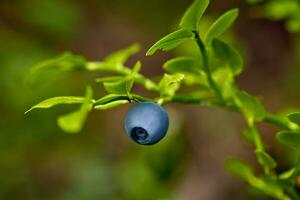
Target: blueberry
[147, 123]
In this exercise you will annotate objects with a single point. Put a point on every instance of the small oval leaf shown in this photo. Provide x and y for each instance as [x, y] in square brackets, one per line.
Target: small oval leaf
[289, 138]
[121, 56]
[250, 106]
[171, 41]
[118, 87]
[74, 121]
[287, 174]
[64, 62]
[184, 65]
[228, 56]
[193, 14]
[265, 159]
[220, 25]
[294, 117]
[169, 84]
[190, 67]
[109, 79]
[239, 168]
[48, 103]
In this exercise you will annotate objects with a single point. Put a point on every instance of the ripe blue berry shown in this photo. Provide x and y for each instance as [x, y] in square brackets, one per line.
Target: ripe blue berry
[147, 123]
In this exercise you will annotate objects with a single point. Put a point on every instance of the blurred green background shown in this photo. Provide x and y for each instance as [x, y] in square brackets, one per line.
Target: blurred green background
[39, 161]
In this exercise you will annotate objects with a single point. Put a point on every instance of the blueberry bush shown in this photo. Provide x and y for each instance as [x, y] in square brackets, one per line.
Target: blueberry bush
[210, 75]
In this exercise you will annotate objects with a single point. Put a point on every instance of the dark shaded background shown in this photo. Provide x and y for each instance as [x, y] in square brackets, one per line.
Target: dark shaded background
[39, 161]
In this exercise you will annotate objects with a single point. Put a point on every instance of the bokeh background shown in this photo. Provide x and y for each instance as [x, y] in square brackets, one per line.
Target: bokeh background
[39, 161]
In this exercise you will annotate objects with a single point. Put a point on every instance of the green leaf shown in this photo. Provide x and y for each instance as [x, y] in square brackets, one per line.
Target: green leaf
[109, 79]
[295, 118]
[265, 159]
[277, 10]
[293, 24]
[111, 97]
[250, 106]
[118, 87]
[190, 67]
[139, 98]
[289, 138]
[65, 62]
[101, 66]
[48, 103]
[169, 84]
[124, 85]
[74, 121]
[131, 77]
[239, 168]
[269, 186]
[249, 135]
[115, 61]
[193, 14]
[110, 104]
[184, 65]
[228, 56]
[224, 79]
[220, 25]
[171, 41]
[266, 184]
[287, 174]
[121, 56]
[71, 122]
[119, 97]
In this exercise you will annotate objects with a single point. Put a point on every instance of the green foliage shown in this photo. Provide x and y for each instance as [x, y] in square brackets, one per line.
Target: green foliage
[265, 159]
[124, 84]
[250, 106]
[223, 78]
[220, 25]
[120, 57]
[288, 174]
[267, 185]
[289, 138]
[213, 76]
[228, 56]
[74, 121]
[48, 103]
[184, 65]
[190, 67]
[110, 104]
[193, 14]
[294, 117]
[65, 62]
[171, 41]
[169, 84]
[239, 168]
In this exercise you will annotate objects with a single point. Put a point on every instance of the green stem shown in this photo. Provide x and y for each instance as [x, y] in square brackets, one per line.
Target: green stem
[147, 83]
[269, 118]
[281, 123]
[205, 63]
[257, 138]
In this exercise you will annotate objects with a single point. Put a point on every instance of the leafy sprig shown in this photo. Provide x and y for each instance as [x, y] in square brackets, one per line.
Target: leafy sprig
[213, 73]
